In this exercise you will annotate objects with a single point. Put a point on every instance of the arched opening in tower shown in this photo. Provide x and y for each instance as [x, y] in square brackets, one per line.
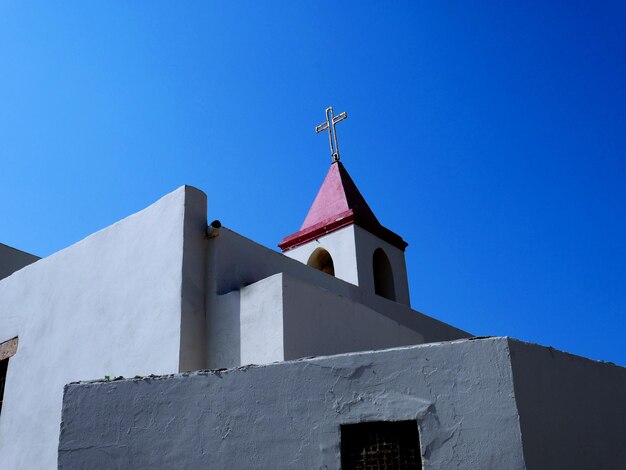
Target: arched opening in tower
[320, 259]
[383, 275]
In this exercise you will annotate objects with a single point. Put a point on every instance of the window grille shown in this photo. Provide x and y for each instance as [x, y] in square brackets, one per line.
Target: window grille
[380, 445]
[7, 350]
[3, 375]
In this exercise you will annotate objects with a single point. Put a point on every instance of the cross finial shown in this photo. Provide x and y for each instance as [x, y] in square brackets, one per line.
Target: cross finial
[331, 121]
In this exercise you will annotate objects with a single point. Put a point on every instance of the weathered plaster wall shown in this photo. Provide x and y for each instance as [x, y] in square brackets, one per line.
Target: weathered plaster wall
[235, 264]
[572, 410]
[113, 303]
[12, 259]
[288, 415]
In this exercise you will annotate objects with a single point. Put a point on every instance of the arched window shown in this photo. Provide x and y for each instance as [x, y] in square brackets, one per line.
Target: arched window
[383, 276]
[321, 259]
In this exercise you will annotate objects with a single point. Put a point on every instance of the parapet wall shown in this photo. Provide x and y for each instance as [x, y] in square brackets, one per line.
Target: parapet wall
[572, 409]
[288, 415]
[490, 403]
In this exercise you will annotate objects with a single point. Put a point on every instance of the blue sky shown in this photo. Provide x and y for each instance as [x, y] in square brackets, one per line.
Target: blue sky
[490, 136]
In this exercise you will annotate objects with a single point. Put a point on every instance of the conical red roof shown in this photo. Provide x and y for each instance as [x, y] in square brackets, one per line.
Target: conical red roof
[338, 204]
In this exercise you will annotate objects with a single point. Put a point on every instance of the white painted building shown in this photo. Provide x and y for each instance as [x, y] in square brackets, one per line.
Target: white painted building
[158, 293]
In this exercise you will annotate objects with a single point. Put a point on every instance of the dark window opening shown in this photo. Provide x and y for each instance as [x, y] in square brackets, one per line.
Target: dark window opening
[381, 445]
[383, 275]
[7, 350]
[3, 375]
[321, 259]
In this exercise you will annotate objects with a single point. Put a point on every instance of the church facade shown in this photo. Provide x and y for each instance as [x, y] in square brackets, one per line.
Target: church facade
[170, 302]
[156, 293]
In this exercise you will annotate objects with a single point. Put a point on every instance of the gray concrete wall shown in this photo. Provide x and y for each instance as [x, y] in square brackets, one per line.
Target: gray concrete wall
[12, 259]
[288, 415]
[114, 303]
[572, 410]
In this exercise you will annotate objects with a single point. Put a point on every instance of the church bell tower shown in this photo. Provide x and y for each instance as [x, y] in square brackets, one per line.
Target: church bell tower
[342, 237]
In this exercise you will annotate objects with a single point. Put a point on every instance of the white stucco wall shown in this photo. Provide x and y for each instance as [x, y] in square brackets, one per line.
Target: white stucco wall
[193, 282]
[281, 318]
[255, 294]
[109, 305]
[572, 409]
[152, 295]
[262, 328]
[318, 322]
[234, 262]
[366, 244]
[486, 403]
[289, 415]
[342, 248]
[223, 348]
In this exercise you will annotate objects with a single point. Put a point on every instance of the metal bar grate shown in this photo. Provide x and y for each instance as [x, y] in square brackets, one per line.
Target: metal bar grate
[3, 375]
[380, 445]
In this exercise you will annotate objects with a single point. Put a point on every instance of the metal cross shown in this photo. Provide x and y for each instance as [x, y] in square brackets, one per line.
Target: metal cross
[331, 121]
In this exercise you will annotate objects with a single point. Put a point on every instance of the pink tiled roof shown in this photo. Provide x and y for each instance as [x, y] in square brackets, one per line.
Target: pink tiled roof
[339, 203]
